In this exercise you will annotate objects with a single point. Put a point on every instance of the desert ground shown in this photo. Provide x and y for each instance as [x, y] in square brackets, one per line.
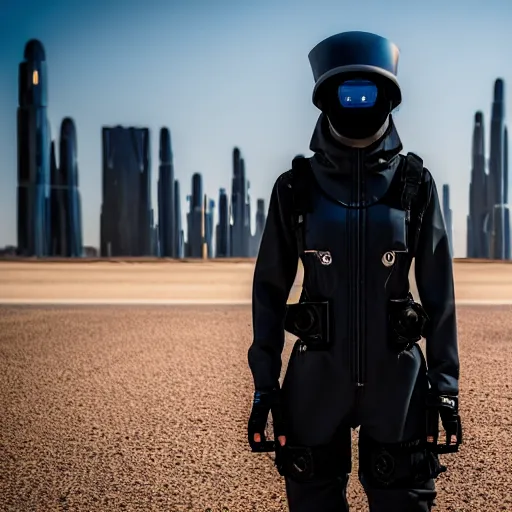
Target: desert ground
[194, 281]
[124, 386]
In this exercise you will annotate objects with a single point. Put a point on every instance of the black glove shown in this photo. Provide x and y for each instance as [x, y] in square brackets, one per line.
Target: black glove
[445, 407]
[263, 403]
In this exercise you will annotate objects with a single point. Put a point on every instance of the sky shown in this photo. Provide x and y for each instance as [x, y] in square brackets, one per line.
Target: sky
[225, 73]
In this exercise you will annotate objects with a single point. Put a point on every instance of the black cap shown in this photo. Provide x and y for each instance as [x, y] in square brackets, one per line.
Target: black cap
[352, 52]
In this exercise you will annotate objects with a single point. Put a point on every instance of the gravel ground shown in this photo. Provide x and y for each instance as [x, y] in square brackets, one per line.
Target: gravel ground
[124, 408]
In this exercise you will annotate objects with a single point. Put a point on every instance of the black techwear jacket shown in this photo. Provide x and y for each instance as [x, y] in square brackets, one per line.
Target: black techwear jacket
[356, 217]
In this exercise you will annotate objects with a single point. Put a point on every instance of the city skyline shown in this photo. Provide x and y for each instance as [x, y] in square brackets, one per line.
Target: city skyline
[49, 207]
[259, 85]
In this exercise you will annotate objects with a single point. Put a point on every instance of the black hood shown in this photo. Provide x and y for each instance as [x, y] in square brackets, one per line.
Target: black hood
[331, 154]
[337, 168]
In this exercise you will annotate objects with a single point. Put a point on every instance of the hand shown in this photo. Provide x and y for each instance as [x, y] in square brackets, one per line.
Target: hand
[445, 407]
[263, 403]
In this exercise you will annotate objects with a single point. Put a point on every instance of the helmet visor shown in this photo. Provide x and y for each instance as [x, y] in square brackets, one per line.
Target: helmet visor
[357, 94]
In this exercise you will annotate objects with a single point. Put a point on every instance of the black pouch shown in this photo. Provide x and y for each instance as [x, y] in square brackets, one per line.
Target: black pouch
[295, 462]
[407, 321]
[303, 463]
[309, 321]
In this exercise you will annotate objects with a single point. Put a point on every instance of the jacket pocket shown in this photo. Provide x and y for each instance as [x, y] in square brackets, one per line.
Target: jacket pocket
[320, 275]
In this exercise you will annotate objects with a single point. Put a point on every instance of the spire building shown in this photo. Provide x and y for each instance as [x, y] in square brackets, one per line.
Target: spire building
[488, 222]
[34, 218]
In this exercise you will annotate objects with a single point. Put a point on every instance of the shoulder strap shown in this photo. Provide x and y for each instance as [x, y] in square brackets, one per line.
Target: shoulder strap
[301, 197]
[412, 175]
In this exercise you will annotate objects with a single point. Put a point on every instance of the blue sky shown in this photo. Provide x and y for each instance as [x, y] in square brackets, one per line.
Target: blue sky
[221, 73]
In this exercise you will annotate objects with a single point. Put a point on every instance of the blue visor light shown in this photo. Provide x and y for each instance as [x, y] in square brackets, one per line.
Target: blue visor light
[357, 94]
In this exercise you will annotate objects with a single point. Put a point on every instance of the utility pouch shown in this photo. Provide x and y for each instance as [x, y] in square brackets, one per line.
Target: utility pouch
[303, 463]
[310, 322]
[407, 321]
[295, 462]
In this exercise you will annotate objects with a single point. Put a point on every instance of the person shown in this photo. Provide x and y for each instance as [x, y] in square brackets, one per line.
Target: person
[357, 213]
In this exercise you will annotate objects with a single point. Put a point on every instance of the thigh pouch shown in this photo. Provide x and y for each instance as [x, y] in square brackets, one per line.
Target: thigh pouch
[400, 465]
[303, 463]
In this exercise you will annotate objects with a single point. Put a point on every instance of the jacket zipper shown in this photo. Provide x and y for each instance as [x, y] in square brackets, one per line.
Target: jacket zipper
[360, 333]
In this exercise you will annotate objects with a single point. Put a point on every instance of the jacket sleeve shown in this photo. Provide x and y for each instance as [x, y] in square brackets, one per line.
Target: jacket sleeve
[434, 279]
[274, 274]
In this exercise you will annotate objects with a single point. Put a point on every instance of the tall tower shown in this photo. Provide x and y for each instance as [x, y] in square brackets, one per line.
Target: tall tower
[508, 234]
[126, 204]
[240, 228]
[495, 190]
[447, 214]
[260, 225]
[477, 239]
[222, 248]
[194, 218]
[67, 219]
[248, 241]
[166, 210]
[178, 233]
[57, 207]
[209, 219]
[33, 154]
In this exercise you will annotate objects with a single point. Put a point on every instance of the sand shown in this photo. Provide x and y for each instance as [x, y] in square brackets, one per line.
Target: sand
[145, 408]
[193, 280]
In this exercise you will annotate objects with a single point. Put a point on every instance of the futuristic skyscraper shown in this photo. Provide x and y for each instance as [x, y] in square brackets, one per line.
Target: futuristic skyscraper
[241, 227]
[33, 192]
[179, 238]
[166, 209]
[447, 214]
[496, 182]
[66, 208]
[477, 240]
[194, 246]
[222, 247]
[508, 234]
[209, 216]
[126, 205]
[57, 207]
[260, 225]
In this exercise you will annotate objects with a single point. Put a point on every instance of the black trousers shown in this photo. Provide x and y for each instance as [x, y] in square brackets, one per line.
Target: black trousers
[328, 493]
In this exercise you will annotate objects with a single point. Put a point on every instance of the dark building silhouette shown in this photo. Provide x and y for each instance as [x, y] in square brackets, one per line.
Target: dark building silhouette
[67, 219]
[508, 247]
[496, 181]
[209, 218]
[260, 225]
[204, 239]
[57, 208]
[222, 239]
[447, 214]
[179, 238]
[34, 238]
[194, 245]
[126, 204]
[477, 239]
[240, 227]
[489, 217]
[166, 209]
